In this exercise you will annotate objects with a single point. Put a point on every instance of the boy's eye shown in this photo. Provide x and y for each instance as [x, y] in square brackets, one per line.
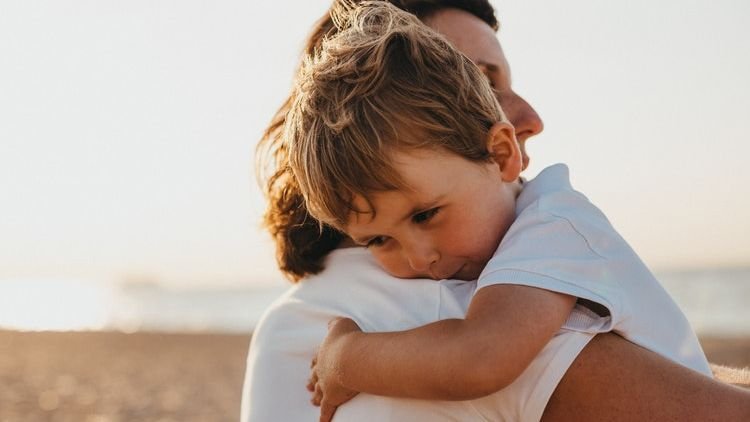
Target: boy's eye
[375, 241]
[424, 216]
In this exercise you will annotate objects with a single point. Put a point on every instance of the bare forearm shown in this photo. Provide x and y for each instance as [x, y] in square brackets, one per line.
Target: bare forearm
[436, 361]
[615, 380]
[458, 359]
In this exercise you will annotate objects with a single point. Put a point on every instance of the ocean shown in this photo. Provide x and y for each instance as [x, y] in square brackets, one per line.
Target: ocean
[716, 301]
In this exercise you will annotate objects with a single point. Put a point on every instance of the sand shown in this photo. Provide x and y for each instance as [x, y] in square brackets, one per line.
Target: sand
[110, 377]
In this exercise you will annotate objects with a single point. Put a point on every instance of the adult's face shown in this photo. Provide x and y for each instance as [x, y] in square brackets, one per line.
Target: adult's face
[474, 38]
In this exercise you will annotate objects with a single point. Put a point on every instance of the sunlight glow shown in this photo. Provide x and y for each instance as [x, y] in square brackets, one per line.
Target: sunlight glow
[38, 304]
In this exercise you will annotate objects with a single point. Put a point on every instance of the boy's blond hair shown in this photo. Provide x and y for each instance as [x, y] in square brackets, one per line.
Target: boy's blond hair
[384, 82]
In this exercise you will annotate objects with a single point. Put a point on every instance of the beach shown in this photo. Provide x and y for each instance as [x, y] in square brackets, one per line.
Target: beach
[114, 377]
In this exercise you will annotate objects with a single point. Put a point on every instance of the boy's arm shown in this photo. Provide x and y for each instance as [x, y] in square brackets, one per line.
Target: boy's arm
[505, 328]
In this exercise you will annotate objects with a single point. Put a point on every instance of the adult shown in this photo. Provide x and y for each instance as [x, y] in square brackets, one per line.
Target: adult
[571, 377]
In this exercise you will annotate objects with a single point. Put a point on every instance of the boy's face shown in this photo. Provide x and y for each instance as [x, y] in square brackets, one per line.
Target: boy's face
[446, 225]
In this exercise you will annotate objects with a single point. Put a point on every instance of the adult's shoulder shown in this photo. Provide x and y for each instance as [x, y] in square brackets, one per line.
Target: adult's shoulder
[285, 339]
[353, 285]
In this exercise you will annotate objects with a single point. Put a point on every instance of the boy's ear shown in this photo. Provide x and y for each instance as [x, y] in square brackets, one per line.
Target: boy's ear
[504, 150]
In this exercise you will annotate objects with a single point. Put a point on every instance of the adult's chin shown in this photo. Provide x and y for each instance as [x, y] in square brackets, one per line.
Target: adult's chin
[525, 159]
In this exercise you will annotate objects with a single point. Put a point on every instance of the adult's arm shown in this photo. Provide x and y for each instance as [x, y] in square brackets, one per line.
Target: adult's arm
[615, 380]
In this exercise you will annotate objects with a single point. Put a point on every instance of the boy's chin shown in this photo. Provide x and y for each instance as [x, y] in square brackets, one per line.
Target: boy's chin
[468, 272]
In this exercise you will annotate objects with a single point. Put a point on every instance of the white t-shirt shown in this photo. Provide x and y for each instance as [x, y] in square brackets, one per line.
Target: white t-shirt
[563, 243]
[352, 285]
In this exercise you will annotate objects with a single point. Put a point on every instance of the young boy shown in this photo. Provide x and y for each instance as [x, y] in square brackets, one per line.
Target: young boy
[397, 140]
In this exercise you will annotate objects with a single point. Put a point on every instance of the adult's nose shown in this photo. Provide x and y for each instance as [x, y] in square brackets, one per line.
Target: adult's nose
[523, 117]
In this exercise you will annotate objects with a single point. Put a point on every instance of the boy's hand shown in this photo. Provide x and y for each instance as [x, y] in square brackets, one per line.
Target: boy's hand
[324, 383]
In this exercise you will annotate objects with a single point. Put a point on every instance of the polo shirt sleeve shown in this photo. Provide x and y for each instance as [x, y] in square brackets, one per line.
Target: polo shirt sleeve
[563, 244]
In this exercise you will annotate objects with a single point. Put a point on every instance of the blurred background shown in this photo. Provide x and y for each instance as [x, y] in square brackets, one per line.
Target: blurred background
[129, 208]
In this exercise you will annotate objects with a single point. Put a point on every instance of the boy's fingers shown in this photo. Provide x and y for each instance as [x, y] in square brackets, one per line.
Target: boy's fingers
[317, 395]
[326, 412]
[312, 381]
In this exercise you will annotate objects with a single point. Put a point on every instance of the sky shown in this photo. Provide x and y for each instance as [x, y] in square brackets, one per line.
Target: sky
[127, 129]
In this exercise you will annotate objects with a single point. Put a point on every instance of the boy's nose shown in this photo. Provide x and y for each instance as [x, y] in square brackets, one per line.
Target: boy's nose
[421, 260]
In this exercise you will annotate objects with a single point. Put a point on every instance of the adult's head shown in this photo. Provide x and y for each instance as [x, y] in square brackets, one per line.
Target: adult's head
[470, 25]
[478, 41]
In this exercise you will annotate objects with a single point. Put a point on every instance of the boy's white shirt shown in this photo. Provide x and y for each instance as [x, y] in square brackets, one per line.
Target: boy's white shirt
[353, 285]
[561, 242]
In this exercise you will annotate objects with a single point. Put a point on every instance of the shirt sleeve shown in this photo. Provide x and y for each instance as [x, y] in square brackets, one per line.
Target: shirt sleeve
[563, 248]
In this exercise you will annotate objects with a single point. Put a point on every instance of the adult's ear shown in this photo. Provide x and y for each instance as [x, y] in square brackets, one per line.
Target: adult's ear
[505, 151]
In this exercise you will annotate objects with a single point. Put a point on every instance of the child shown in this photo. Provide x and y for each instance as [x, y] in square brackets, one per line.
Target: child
[397, 140]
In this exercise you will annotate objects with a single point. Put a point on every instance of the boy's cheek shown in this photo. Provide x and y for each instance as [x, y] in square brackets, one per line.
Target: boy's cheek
[395, 265]
[477, 249]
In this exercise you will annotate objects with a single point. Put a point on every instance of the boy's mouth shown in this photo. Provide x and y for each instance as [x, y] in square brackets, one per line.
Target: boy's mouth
[469, 271]
[443, 275]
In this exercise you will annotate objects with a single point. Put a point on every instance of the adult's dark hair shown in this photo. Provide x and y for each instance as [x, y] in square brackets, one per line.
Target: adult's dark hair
[301, 242]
